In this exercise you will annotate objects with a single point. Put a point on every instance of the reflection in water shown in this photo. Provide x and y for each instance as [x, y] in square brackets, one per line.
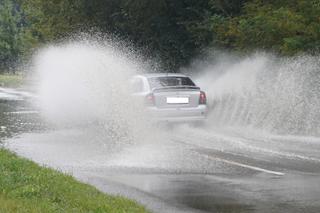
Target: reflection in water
[17, 116]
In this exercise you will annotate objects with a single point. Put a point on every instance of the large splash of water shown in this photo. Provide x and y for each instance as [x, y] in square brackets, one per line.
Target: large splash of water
[87, 82]
[266, 93]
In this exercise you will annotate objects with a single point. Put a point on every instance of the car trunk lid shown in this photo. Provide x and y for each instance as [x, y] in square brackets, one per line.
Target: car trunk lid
[176, 97]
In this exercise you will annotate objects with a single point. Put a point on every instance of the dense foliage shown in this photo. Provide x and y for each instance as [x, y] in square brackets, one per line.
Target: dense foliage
[171, 31]
[287, 27]
[10, 33]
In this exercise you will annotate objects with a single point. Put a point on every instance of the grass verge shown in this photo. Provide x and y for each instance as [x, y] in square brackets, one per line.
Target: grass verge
[11, 80]
[27, 187]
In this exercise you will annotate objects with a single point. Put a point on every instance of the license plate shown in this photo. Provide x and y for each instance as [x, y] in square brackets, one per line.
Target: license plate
[177, 100]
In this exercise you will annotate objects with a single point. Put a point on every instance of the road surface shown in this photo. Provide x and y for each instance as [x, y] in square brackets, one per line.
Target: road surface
[186, 169]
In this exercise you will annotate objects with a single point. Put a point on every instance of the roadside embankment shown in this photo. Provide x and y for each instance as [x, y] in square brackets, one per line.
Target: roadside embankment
[27, 187]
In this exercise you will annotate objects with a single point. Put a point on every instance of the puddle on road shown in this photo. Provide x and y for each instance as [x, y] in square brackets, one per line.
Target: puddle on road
[204, 192]
[16, 117]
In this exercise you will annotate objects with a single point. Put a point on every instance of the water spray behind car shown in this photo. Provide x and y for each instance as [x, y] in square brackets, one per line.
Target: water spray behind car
[88, 82]
[264, 93]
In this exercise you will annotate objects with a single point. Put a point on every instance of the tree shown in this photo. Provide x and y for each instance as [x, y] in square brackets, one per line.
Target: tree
[227, 8]
[10, 34]
[49, 20]
[171, 31]
[287, 27]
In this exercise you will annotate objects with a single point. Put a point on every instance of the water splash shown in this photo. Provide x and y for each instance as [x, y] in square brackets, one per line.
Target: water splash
[265, 93]
[87, 82]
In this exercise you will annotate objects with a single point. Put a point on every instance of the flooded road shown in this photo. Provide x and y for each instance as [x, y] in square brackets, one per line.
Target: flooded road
[188, 170]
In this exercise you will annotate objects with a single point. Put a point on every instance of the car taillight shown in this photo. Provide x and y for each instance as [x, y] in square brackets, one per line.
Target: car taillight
[203, 98]
[149, 99]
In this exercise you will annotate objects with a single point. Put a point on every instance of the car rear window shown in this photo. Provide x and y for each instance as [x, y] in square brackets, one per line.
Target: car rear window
[169, 81]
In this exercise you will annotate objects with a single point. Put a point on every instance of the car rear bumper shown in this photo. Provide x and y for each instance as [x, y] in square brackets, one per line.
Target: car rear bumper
[187, 114]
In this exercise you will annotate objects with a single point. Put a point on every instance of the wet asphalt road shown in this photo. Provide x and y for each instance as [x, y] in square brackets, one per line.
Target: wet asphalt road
[185, 170]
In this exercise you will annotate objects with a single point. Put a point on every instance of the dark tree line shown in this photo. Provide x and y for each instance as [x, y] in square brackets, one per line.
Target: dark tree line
[172, 31]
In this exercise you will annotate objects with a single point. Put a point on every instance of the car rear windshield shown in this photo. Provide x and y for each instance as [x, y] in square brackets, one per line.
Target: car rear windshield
[169, 81]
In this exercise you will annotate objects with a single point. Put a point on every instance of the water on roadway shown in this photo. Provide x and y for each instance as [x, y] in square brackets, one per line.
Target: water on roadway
[189, 170]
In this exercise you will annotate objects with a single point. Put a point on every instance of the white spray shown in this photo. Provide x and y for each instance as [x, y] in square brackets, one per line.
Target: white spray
[87, 82]
[265, 93]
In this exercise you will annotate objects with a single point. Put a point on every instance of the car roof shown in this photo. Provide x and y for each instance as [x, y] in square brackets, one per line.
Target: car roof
[156, 75]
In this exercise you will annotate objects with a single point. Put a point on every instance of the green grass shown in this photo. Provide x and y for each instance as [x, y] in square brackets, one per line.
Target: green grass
[27, 187]
[11, 80]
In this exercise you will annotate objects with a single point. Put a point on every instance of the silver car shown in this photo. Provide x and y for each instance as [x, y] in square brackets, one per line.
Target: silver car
[171, 97]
